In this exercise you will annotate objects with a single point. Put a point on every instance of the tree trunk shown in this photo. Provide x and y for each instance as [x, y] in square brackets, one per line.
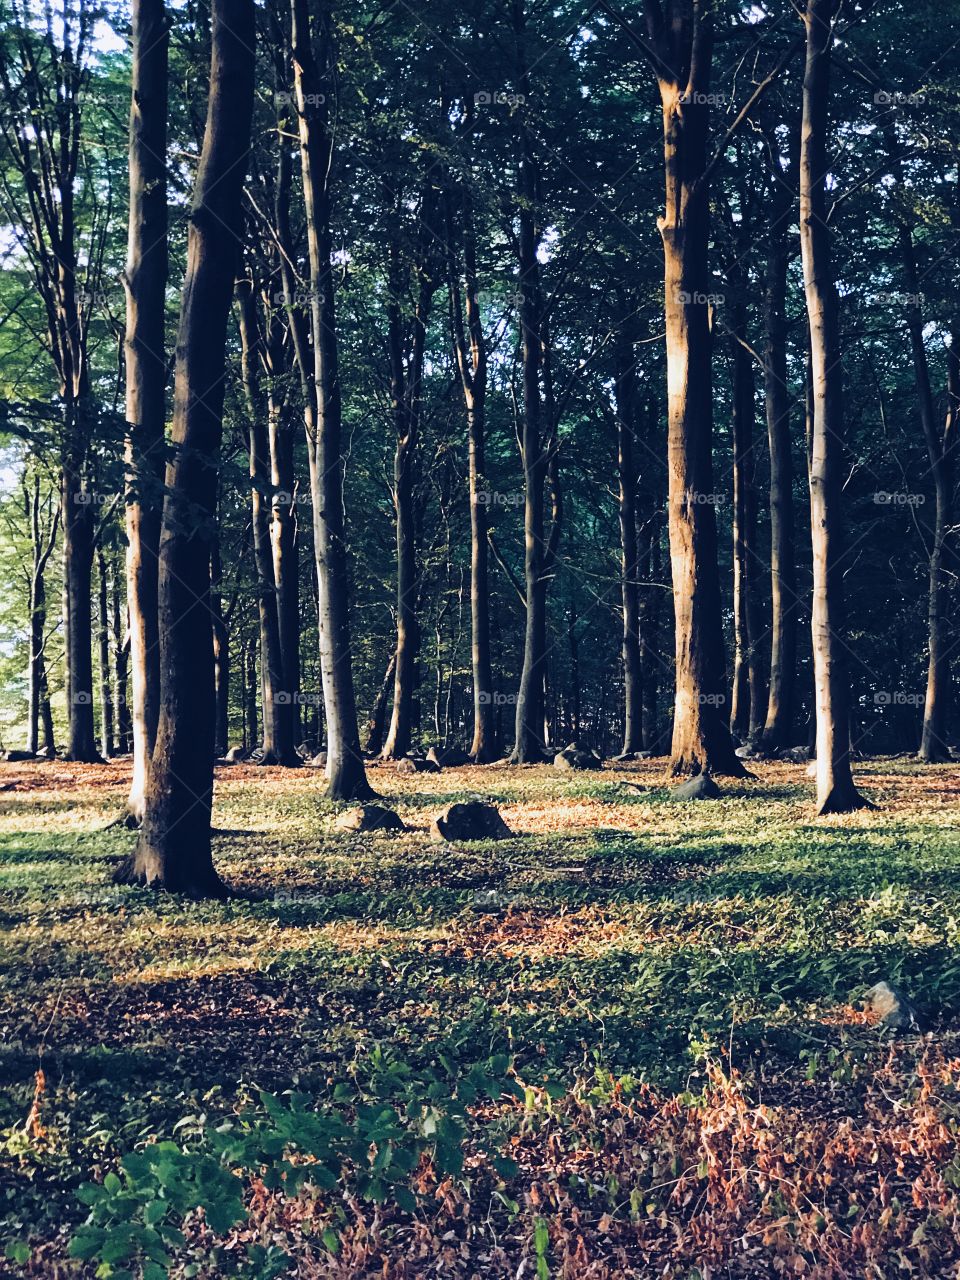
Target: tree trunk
[836, 792]
[145, 280]
[121, 662]
[529, 720]
[76, 500]
[38, 701]
[377, 723]
[933, 741]
[781, 694]
[103, 636]
[278, 701]
[701, 736]
[470, 348]
[221, 650]
[747, 707]
[629, 540]
[173, 851]
[345, 771]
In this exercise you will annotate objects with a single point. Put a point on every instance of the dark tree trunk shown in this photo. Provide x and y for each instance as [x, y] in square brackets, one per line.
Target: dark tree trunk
[345, 771]
[701, 737]
[221, 650]
[173, 851]
[629, 540]
[103, 637]
[78, 530]
[145, 280]
[251, 730]
[529, 721]
[38, 702]
[377, 723]
[836, 792]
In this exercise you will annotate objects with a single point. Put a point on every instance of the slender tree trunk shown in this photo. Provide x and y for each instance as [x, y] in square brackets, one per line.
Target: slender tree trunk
[221, 650]
[376, 726]
[747, 706]
[78, 529]
[836, 792]
[38, 702]
[345, 771]
[629, 541]
[145, 280]
[278, 701]
[103, 637]
[251, 732]
[529, 720]
[470, 348]
[781, 694]
[651, 569]
[173, 851]
[121, 662]
[701, 736]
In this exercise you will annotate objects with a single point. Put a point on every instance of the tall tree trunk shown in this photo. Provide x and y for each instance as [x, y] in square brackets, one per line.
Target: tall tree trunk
[38, 702]
[376, 725]
[629, 540]
[251, 732]
[278, 701]
[470, 348]
[145, 280]
[103, 637]
[781, 693]
[529, 719]
[78, 532]
[221, 649]
[345, 771]
[683, 43]
[173, 851]
[836, 792]
[943, 451]
[747, 706]
[121, 664]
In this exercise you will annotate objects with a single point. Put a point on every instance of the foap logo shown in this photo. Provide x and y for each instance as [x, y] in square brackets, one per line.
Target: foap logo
[706, 499]
[884, 98]
[285, 99]
[895, 298]
[498, 98]
[490, 498]
[284, 698]
[711, 699]
[300, 297]
[697, 299]
[897, 698]
[884, 499]
[488, 699]
[82, 699]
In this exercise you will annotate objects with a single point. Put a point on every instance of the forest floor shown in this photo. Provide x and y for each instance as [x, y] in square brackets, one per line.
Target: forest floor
[694, 1089]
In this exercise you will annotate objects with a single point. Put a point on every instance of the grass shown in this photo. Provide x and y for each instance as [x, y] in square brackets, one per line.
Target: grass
[617, 931]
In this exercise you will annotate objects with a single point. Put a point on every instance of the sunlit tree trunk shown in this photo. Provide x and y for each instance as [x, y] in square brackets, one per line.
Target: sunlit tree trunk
[345, 771]
[145, 280]
[42, 544]
[836, 792]
[629, 539]
[107, 743]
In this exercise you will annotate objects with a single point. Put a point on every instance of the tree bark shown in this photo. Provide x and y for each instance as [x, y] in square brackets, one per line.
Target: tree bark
[470, 349]
[529, 742]
[781, 693]
[107, 743]
[145, 281]
[345, 772]
[278, 701]
[836, 792]
[121, 664]
[173, 851]
[38, 702]
[683, 43]
[629, 538]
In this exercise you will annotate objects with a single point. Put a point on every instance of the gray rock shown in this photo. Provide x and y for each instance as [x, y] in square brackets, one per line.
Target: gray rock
[577, 756]
[236, 755]
[702, 787]
[469, 820]
[888, 1003]
[369, 817]
[14, 757]
[795, 755]
[411, 764]
[319, 761]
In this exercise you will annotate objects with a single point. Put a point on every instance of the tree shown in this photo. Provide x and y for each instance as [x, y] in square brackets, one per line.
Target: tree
[345, 771]
[836, 792]
[173, 851]
[145, 282]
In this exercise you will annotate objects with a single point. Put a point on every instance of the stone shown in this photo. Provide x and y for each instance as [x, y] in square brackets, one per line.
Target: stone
[889, 1004]
[46, 753]
[811, 769]
[14, 757]
[469, 820]
[577, 756]
[702, 787]
[795, 755]
[236, 755]
[369, 817]
[319, 761]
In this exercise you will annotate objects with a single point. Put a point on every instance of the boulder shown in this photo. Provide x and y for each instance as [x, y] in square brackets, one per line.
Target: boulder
[236, 755]
[319, 761]
[795, 755]
[14, 757]
[369, 817]
[46, 753]
[702, 787]
[411, 764]
[889, 1004]
[469, 820]
[577, 756]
